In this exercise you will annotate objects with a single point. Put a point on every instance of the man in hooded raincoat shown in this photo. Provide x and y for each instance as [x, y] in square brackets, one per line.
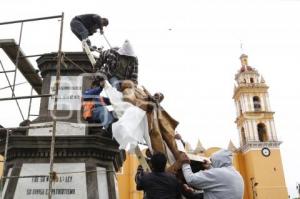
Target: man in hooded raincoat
[221, 181]
[119, 64]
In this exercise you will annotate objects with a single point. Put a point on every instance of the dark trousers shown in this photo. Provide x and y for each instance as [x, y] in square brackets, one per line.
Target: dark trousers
[79, 29]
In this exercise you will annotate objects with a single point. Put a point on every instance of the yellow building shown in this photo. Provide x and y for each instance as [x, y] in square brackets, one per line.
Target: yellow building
[258, 158]
[1, 165]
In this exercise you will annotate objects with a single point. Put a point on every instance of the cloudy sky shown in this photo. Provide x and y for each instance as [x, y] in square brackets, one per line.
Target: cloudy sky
[189, 50]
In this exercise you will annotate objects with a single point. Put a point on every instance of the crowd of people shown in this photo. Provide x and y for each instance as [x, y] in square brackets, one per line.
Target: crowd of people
[138, 116]
[218, 180]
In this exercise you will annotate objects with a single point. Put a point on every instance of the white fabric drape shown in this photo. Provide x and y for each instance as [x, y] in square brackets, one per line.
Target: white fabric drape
[132, 126]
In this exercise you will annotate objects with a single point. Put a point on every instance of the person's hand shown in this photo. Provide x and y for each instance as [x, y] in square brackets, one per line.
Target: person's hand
[101, 31]
[140, 169]
[206, 164]
[102, 83]
[188, 189]
[184, 159]
[158, 97]
[177, 136]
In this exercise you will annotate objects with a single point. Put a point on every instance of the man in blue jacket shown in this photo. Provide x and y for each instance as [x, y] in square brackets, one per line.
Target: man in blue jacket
[100, 112]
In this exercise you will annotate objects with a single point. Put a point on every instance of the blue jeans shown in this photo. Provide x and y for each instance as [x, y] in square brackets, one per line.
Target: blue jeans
[103, 116]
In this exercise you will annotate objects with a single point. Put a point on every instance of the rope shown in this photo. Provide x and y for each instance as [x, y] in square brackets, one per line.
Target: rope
[64, 56]
[106, 40]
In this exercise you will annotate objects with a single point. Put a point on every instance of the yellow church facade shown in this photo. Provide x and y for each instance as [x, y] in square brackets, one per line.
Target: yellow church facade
[258, 157]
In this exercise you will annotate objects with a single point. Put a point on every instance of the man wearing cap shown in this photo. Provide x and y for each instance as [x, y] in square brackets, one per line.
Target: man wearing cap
[119, 64]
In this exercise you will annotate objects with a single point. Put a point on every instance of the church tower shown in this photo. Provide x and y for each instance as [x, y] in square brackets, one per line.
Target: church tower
[259, 153]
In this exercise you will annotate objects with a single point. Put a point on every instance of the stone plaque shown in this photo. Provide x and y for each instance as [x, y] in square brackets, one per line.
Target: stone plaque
[102, 183]
[67, 185]
[69, 93]
[62, 129]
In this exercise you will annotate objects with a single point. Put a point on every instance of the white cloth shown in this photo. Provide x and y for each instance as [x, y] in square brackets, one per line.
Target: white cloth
[132, 126]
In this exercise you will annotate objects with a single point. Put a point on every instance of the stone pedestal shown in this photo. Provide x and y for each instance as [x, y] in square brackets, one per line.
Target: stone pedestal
[85, 160]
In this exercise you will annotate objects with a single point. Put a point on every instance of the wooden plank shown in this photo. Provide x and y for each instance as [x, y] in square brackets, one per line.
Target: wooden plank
[142, 159]
[10, 47]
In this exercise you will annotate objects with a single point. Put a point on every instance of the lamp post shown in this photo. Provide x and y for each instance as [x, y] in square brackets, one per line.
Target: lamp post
[253, 186]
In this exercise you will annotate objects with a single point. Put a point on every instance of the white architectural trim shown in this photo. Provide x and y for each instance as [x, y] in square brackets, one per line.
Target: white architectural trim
[268, 101]
[250, 103]
[237, 108]
[274, 130]
[269, 129]
[262, 102]
[245, 102]
[254, 127]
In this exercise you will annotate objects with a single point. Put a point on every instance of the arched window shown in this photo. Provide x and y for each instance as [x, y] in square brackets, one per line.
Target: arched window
[251, 80]
[256, 103]
[262, 132]
[243, 136]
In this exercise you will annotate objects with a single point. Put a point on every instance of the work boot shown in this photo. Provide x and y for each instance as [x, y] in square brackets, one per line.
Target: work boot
[87, 41]
[93, 48]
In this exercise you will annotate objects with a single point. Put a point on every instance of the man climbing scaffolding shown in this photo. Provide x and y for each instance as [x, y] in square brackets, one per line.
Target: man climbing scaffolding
[86, 25]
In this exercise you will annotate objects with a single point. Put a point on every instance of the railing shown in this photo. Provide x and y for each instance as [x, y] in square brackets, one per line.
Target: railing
[257, 145]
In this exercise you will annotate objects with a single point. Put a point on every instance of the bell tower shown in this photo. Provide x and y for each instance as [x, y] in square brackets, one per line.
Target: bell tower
[259, 150]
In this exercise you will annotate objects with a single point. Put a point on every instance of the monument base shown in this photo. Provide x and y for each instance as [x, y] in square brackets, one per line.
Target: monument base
[85, 167]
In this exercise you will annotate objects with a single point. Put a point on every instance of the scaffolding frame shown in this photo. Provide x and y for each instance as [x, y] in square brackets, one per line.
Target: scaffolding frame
[12, 87]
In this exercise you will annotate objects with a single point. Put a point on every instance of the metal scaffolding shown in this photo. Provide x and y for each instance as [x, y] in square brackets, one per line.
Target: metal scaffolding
[18, 58]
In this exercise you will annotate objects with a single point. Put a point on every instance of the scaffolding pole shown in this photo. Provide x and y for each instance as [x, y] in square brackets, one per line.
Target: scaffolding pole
[8, 71]
[28, 56]
[20, 110]
[17, 59]
[32, 19]
[4, 159]
[27, 127]
[30, 102]
[25, 97]
[57, 83]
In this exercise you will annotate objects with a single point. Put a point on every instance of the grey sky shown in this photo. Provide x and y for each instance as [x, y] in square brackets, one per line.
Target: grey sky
[188, 50]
